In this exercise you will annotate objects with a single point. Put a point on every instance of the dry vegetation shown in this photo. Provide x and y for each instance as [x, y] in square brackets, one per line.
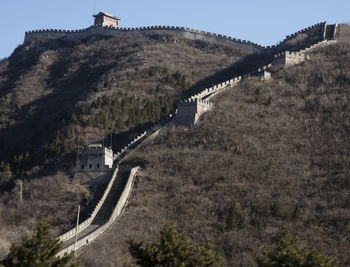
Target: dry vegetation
[52, 91]
[51, 199]
[45, 81]
[270, 155]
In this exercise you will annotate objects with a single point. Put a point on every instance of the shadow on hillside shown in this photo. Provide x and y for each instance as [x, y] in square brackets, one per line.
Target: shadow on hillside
[247, 64]
[39, 120]
[27, 55]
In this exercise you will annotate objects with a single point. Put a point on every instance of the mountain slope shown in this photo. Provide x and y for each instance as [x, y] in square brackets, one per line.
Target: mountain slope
[270, 155]
[57, 94]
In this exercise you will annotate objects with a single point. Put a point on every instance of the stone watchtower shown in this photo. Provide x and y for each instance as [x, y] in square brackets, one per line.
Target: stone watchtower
[189, 111]
[106, 20]
[93, 162]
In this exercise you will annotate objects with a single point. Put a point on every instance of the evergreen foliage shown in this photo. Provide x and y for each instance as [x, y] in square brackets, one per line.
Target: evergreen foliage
[37, 251]
[5, 171]
[112, 113]
[289, 254]
[172, 249]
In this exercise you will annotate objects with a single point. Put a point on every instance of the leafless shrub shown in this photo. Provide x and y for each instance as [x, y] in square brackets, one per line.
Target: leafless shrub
[291, 169]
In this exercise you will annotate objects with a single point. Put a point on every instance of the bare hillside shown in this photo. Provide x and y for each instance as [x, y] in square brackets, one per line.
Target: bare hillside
[57, 94]
[271, 155]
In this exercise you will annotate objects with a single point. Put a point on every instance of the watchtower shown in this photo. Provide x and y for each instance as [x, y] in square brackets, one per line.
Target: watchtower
[106, 20]
[94, 158]
[189, 111]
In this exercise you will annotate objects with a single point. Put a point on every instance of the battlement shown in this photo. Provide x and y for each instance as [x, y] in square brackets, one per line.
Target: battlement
[94, 158]
[261, 74]
[95, 149]
[307, 29]
[135, 141]
[195, 101]
[288, 58]
[288, 54]
[315, 32]
[108, 25]
[102, 29]
[189, 111]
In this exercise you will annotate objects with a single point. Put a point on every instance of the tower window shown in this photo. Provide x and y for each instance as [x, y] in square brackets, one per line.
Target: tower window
[98, 165]
[90, 166]
[82, 166]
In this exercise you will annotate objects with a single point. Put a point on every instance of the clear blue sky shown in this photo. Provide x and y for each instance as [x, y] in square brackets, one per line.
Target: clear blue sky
[264, 22]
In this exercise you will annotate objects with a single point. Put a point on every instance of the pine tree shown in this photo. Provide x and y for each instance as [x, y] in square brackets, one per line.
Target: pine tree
[38, 251]
[287, 253]
[173, 249]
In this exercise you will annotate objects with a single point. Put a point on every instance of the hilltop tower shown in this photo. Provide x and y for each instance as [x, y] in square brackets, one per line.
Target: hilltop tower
[106, 20]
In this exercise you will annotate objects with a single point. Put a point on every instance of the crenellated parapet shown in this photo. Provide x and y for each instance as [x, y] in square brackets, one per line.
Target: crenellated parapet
[129, 145]
[195, 102]
[315, 33]
[261, 74]
[321, 26]
[93, 163]
[112, 31]
[288, 58]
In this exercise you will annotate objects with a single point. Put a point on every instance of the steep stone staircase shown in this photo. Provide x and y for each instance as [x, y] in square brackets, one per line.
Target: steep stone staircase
[112, 199]
[107, 208]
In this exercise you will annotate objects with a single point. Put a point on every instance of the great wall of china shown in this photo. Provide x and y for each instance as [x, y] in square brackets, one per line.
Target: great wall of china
[187, 114]
[313, 34]
[110, 31]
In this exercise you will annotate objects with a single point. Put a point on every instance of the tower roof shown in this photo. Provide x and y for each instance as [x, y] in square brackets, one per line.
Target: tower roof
[107, 15]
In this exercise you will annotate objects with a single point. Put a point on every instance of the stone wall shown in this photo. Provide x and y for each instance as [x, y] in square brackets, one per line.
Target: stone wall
[343, 33]
[89, 178]
[88, 221]
[301, 39]
[317, 26]
[207, 93]
[134, 142]
[110, 31]
[189, 111]
[293, 42]
[94, 158]
[288, 58]
[116, 212]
